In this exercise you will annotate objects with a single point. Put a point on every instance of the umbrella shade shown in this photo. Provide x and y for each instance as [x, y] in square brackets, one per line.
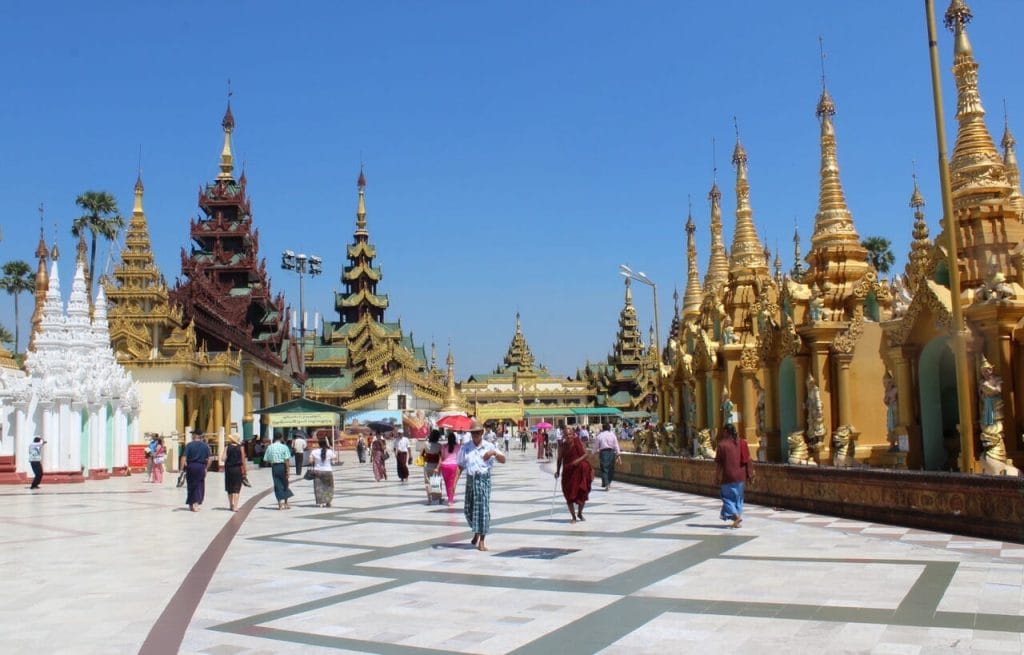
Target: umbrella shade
[543, 425]
[455, 422]
[382, 426]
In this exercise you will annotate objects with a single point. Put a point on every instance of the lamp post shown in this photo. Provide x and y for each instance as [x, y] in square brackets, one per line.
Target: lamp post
[639, 276]
[303, 265]
[959, 339]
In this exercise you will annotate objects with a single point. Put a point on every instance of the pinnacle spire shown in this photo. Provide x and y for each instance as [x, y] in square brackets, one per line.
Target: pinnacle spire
[139, 189]
[833, 225]
[797, 271]
[975, 167]
[42, 280]
[692, 295]
[918, 260]
[718, 266]
[361, 207]
[1010, 162]
[747, 253]
[227, 161]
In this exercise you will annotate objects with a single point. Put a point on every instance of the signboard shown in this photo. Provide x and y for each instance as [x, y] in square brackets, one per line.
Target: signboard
[303, 419]
[137, 455]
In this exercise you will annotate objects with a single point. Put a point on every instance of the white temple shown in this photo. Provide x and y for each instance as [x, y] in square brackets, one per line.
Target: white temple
[75, 395]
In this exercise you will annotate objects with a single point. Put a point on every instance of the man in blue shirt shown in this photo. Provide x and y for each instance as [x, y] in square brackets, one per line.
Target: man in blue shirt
[277, 456]
[194, 459]
[476, 459]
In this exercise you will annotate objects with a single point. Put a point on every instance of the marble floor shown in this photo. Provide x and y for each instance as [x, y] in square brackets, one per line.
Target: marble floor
[120, 566]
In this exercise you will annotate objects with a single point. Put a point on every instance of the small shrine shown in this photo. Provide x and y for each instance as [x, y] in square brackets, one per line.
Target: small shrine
[73, 393]
[361, 361]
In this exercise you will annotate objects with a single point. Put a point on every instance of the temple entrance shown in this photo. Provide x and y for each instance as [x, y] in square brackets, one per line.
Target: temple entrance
[939, 410]
[787, 405]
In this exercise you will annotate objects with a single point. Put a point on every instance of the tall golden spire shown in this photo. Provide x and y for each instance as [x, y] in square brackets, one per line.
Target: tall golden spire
[718, 267]
[452, 401]
[42, 281]
[833, 225]
[692, 295]
[797, 272]
[976, 169]
[227, 161]
[1010, 162]
[361, 207]
[80, 253]
[921, 244]
[747, 254]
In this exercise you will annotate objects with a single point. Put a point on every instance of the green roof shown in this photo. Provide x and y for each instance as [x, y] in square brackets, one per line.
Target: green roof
[550, 411]
[596, 411]
[299, 405]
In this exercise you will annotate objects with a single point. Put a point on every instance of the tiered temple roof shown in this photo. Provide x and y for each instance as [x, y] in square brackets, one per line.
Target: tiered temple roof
[359, 359]
[226, 291]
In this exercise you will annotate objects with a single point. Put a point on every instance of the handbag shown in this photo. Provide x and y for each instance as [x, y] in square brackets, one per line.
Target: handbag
[386, 454]
[181, 480]
[436, 484]
[308, 475]
[420, 460]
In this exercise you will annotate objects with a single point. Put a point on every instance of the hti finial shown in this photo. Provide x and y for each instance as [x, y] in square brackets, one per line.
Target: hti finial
[714, 162]
[821, 51]
[958, 15]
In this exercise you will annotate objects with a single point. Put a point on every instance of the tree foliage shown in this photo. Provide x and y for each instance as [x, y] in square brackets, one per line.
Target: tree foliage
[17, 279]
[879, 253]
[102, 219]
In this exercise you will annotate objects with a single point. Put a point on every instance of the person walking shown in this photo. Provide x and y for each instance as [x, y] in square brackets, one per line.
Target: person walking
[361, 449]
[607, 446]
[233, 464]
[402, 457]
[159, 457]
[277, 456]
[450, 466]
[540, 440]
[194, 459]
[379, 453]
[431, 461]
[150, 448]
[578, 474]
[476, 458]
[503, 435]
[321, 460]
[299, 449]
[733, 468]
[35, 460]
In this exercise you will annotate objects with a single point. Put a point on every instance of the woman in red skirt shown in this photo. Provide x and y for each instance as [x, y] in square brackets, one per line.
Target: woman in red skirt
[572, 460]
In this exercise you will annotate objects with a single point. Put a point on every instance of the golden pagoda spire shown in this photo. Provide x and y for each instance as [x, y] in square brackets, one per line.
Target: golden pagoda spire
[452, 402]
[747, 254]
[1010, 162]
[137, 208]
[42, 281]
[692, 295]
[227, 161]
[80, 254]
[361, 207]
[718, 267]
[921, 244]
[975, 167]
[797, 271]
[833, 225]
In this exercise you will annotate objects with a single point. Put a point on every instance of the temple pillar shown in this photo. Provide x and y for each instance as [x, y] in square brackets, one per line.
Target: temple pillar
[748, 422]
[843, 383]
[701, 404]
[49, 434]
[264, 403]
[800, 366]
[771, 414]
[1010, 427]
[179, 409]
[73, 428]
[21, 438]
[119, 456]
[715, 376]
[247, 381]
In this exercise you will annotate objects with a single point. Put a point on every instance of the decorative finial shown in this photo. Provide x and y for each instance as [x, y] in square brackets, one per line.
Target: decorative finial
[41, 250]
[361, 207]
[958, 15]
[54, 251]
[916, 199]
[739, 155]
[714, 162]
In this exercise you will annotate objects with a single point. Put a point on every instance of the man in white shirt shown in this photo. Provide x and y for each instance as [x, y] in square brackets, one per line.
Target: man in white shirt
[299, 450]
[476, 459]
[402, 455]
[606, 444]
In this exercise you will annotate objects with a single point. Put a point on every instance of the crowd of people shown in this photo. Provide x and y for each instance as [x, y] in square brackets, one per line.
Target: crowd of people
[446, 457]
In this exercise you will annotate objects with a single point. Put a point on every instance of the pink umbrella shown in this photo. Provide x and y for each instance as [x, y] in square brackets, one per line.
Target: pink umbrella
[543, 425]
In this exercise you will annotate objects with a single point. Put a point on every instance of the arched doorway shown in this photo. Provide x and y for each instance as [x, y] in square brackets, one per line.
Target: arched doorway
[787, 404]
[939, 410]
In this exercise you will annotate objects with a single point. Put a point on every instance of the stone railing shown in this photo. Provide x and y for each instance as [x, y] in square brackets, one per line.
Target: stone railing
[985, 506]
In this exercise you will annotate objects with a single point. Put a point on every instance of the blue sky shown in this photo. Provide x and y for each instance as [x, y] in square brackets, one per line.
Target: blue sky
[516, 152]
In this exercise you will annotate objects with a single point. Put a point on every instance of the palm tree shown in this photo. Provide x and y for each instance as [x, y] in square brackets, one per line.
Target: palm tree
[102, 219]
[5, 335]
[879, 253]
[16, 280]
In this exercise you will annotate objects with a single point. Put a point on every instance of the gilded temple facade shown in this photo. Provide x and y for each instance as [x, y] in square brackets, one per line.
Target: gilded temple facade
[360, 361]
[519, 387]
[206, 353]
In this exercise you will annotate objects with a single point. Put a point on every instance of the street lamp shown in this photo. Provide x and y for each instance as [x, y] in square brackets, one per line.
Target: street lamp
[303, 266]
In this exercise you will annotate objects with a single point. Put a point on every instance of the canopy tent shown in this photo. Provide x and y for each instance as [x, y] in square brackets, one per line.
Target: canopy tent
[302, 413]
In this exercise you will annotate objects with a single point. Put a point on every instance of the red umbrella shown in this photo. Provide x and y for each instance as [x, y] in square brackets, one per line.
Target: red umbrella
[455, 422]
